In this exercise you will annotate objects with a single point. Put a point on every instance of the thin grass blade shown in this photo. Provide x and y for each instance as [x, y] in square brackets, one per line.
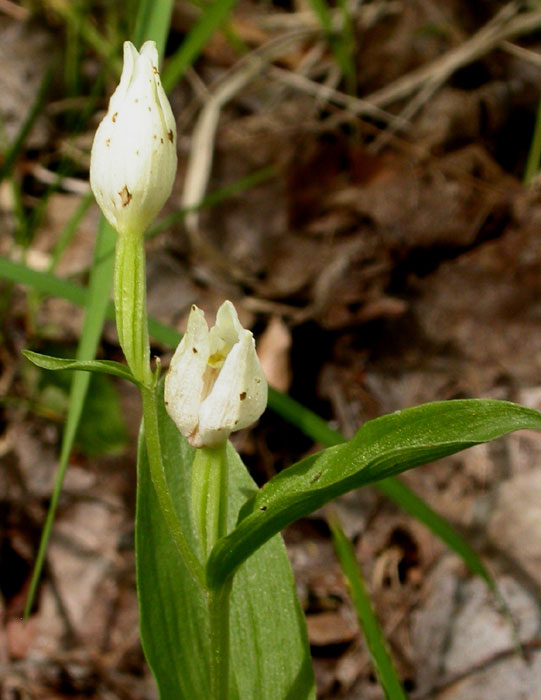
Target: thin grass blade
[153, 21]
[214, 14]
[375, 639]
[13, 152]
[97, 301]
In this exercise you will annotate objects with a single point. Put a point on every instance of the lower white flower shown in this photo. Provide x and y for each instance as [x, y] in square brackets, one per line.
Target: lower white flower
[215, 384]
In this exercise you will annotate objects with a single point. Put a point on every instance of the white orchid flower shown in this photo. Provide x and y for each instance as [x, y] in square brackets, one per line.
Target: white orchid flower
[134, 157]
[215, 384]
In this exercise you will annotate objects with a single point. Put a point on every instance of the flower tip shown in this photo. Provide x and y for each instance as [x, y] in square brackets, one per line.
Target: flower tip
[149, 49]
[215, 384]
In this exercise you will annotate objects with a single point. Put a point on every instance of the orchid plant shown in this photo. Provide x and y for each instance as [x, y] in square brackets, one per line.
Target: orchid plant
[219, 613]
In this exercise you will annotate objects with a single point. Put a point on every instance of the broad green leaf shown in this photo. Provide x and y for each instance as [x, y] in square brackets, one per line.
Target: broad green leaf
[99, 366]
[268, 636]
[381, 448]
[368, 621]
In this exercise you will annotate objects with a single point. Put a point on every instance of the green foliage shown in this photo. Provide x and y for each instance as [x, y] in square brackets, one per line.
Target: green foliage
[97, 301]
[381, 448]
[342, 43]
[269, 650]
[292, 411]
[368, 621]
[102, 430]
[153, 20]
[99, 366]
[214, 14]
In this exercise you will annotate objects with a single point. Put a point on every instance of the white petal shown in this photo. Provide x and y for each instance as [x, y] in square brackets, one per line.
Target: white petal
[185, 378]
[238, 397]
[149, 49]
[255, 386]
[128, 67]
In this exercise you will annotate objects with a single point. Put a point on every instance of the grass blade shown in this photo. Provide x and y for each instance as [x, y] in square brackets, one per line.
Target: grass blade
[214, 14]
[153, 20]
[341, 42]
[98, 297]
[534, 155]
[69, 231]
[375, 639]
[43, 282]
[13, 152]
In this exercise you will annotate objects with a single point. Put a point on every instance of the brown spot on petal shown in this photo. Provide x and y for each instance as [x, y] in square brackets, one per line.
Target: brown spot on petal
[149, 108]
[161, 140]
[107, 142]
[194, 350]
[125, 196]
[115, 115]
[155, 70]
[170, 135]
[136, 100]
[242, 396]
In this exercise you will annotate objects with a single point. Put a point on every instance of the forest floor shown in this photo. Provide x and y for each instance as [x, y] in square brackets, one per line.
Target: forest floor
[385, 248]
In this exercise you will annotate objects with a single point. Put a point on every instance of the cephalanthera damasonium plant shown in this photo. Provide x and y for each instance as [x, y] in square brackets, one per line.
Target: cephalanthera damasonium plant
[219, 613]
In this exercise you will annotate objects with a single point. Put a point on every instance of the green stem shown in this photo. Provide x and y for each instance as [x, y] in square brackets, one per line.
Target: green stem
[130, 304]
[209, 496]
[218, 602]
[157, 474]
[209, 509]
[132, 329]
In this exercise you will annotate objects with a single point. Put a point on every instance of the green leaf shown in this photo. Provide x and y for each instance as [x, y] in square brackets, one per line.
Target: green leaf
[382, 448]
[268, 637]
[368, 621]
[99, 366]
[102, 430]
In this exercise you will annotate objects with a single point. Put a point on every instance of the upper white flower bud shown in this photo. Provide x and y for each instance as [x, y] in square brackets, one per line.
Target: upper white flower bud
[215, 384]
[134, 156]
